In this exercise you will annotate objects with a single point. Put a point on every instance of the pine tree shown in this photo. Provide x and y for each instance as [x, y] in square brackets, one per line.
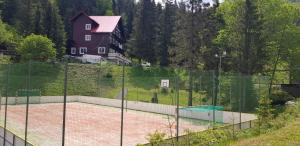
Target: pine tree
[28, 18]
[186, 51]
[55, 29]
[166, 27]
[253, 52]
[9, 9]
[38, 21]
[211, 23]
[142, 43]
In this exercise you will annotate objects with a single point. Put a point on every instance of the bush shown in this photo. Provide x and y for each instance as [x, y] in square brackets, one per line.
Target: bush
[108, 75]
[5, 59]
[280, 97]
[36, 47]
[164, 90]
[156, 138]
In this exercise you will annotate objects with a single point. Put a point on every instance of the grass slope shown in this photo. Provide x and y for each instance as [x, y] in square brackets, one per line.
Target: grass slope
[94, 80]
[286, 136]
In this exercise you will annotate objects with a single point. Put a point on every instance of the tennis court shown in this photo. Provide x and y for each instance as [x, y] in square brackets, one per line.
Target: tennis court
[89, 124]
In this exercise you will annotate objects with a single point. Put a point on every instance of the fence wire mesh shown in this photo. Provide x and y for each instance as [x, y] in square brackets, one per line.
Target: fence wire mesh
[156, 101]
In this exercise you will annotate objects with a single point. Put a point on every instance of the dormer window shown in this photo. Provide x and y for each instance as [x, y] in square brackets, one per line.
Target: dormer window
[88, 37]
[88, 26]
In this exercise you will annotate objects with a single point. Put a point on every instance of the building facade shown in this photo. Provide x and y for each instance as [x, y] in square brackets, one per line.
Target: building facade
[98, 36]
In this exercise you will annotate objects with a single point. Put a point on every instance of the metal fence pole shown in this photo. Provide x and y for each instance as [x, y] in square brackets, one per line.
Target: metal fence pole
[241, 88]
[6, 99]
[177, 109]
[65, 103]
[214, 100]
[122, 107]
[27, 100]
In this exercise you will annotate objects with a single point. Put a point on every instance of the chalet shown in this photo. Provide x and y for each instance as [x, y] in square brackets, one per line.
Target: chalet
[98, 36]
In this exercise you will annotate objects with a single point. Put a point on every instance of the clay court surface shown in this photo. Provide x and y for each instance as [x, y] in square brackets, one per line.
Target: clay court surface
[89, 125]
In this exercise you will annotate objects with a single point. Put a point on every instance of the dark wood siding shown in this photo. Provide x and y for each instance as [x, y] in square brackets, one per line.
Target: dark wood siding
[97, 39]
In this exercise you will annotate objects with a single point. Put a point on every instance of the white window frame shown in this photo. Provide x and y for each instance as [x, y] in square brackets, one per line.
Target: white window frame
[73, 50]
[101, 50]
[88, 37]
[82, 50]
[88, 26]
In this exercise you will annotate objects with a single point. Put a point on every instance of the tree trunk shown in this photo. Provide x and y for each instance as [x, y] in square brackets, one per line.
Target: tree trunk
[274, 71]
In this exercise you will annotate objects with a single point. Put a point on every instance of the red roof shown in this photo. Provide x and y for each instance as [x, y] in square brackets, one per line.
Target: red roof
[105, 23]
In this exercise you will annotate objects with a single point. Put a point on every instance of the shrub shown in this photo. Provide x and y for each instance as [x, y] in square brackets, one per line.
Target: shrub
[108, 75]
[36, 47]
[280, 97]
[164, 90]
[156, 138]
[5, 59]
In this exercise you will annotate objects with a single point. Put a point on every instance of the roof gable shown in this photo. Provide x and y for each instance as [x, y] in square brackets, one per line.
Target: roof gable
[105, 23]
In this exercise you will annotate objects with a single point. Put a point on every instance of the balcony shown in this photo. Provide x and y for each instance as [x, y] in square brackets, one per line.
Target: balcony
[118, 58]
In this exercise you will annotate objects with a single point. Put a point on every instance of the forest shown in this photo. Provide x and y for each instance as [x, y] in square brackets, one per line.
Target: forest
[218, 52]
[259, 36]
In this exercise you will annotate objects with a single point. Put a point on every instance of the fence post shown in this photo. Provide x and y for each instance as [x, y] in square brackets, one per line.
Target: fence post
[177, 109]
[14, 139]
[27, 100]
[65, 102]
[6, 99]
[122, 107]
[240, 99]
[214, 100]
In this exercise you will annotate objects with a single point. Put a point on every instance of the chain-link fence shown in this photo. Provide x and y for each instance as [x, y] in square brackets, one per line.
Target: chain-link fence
[73, 104]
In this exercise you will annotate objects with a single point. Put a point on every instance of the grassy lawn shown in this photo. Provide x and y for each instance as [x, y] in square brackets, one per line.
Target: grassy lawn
[106, 81]
[286, 136]
[95, 80]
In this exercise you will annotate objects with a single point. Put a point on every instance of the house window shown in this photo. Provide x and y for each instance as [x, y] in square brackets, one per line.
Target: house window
[83, 50]
[73, 50]
[88, 37]
[101, 50]
[88, 27]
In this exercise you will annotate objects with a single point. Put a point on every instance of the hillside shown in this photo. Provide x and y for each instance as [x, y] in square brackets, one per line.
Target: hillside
[95, 80]
[287, 136]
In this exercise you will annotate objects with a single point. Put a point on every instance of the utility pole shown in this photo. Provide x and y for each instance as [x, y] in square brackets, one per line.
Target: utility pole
[220, 56]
